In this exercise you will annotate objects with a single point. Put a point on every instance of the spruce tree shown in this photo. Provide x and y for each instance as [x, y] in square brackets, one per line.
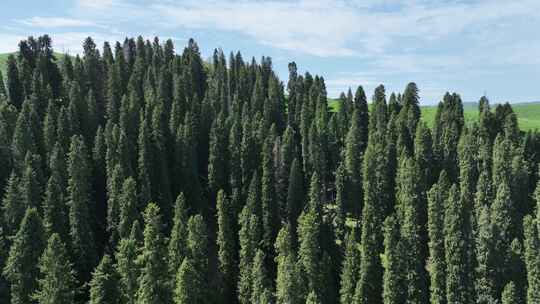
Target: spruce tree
[350, 268]
[261, 289]
[177, 248]
[395, 279]
[152, 280]
[57, 284]
[14, 86]
[455, 243]
[287, 284]
[197, 244]
[80, 222]
[127, 265]
[509, 294]
[22, 266]
[309, 251]
[532, 260]
[12, 209]
[485, 260]
[226, 242]
[128, 207]
[188, 284]
[437, 262]
[104, 283]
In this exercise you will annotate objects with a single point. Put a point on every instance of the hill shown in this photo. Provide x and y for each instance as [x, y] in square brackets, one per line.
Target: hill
[3, 61]
[528, 113]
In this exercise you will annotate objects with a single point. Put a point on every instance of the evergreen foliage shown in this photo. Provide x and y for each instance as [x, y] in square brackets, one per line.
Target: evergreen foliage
[158, 177]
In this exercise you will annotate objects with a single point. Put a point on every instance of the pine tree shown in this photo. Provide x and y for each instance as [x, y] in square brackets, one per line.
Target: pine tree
[81, 232]
[509, 294]
[261, 288]
[128, 207]
[188, 284]
[295, 194]
[197, 244]
[410, 202]
[532, 260]
[22, 266]
[354, 148]
[249, 237]
[270, 209]
[104, 283]
[395, 276]
[226, 242]
[455, 243]
[437, 262]
[57, 284]
[485, 260]
[14, 85]
[12, 209]
[152, 281]
[127, 265]
[350, 268]
[178, 240]
[309, 251]
[54, 209]
[287, 284]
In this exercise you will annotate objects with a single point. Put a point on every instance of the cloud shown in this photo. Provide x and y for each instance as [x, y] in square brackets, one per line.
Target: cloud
[55, 22]
[96, 4]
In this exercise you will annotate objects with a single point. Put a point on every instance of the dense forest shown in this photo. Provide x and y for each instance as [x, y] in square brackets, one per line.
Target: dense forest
[141, 174]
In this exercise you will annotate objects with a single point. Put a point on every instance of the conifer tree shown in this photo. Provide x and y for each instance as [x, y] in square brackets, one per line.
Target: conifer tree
[485, 260]
[532, 260]
[410, 202]
[270, 209]
[188, 284]
[509, 294]
[14, 86]
[128, 207]
[437, 262]
[22, 266]
[395, 276]
[57, 284]
[295, 194]
[261, 289]
[81, 232]
[152, 281]
[197, 244]
[249, 237]
[104, 283]
[287, 284]
[226, 242]
[12, 209]
[309, 251]
[455, 243]
[178, 241]
[350, 268]
[127, 265]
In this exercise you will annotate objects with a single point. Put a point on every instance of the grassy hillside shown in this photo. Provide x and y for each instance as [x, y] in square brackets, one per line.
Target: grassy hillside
[3, 60]
[528, 113]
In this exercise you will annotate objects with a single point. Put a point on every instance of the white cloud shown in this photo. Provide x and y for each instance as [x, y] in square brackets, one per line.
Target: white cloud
[55, 22]
[96, 4]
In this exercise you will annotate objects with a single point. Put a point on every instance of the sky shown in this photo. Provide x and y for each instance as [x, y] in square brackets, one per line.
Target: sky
[472, 47]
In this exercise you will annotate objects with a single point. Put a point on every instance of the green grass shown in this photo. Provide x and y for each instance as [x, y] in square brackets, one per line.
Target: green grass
[528, 113]
[3, 61]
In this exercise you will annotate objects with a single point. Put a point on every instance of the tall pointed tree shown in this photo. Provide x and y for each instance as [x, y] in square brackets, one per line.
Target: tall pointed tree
[22, 266]
[153, 287]
[104, 283]
[57, 284]
[80, 221]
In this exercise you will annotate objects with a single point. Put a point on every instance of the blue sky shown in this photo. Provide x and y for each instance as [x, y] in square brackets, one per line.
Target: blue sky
[468, 46]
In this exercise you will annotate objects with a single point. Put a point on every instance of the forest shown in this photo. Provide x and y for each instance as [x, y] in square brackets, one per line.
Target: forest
[138, 172]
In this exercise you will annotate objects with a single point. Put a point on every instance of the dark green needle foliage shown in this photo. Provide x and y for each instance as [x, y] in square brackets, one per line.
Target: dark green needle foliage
[159, 176]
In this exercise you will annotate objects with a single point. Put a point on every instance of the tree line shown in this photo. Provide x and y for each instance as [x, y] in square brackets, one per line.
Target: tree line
[141, 174]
